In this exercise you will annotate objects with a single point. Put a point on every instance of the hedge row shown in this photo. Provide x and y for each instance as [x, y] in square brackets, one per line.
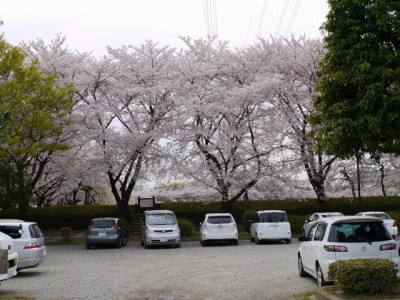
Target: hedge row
[77, 217]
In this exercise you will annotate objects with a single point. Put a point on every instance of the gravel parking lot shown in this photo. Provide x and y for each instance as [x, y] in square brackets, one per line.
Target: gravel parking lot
[247, 271]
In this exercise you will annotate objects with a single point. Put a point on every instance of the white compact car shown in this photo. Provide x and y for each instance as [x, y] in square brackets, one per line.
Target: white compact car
[218, 227]
[390, 223]
[9, 257]
[29, 241]
[270, 225]
[160, 227]
[315, 217]
[340, 238]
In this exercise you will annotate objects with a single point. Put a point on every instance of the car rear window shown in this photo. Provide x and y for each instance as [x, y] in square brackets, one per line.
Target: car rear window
[219, 220]
[7, 229]
[102, 223]
[381, 216]
[273, 217]
[35, 231]
[356, 232]
[161, 219]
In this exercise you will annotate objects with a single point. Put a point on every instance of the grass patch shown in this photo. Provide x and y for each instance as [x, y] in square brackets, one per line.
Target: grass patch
[393, 294]
[309, 295]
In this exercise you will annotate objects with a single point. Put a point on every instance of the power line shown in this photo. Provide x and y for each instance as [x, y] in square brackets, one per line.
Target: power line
[210, 16]
[278, 28]
[261, 17]
[292, 17]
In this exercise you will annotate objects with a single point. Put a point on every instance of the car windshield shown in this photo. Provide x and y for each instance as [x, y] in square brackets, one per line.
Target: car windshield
[382, 216]
[102, 223]
[219, 220]
[356, 232]
[273, 217]
[161, 219]
[331, 215]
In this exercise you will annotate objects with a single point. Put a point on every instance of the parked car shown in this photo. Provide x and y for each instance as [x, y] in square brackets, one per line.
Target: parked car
[390, 223]
[315, 217]
[218, 227]
[8, 257]
[270, 225]
[28, 240]
[106, 231]
[340, 238]
[160, 228]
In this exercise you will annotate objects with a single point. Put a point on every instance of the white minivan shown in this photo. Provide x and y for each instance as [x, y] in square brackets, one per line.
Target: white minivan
[160, 228]
[9, 257]
[272, 225]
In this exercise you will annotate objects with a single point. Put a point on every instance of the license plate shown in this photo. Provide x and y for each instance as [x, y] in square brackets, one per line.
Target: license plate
[102, 234]
[164, 240]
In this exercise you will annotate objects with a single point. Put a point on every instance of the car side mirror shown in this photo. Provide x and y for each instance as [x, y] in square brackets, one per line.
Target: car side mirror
[302, 238]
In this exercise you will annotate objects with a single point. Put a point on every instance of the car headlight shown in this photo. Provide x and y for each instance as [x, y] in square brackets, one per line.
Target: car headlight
[148, 230]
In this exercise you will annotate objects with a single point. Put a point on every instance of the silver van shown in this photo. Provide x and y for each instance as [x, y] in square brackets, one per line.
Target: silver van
[159, 227]
[28, 241]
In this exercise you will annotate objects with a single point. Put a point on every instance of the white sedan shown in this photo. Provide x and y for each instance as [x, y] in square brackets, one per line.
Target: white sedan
[390, 223]
[340, 238]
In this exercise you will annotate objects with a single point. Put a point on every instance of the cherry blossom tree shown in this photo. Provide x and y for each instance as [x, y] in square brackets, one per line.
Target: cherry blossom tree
[296, 62]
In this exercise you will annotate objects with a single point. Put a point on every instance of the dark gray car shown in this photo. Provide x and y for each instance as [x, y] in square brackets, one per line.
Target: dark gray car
[106, 231]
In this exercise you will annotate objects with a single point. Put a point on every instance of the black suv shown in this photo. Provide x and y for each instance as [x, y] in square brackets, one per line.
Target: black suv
[106, 231]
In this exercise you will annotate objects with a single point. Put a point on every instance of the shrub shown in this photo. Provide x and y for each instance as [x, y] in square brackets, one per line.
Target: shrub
[248, 217]
[186, 227]
[65, 233]
[370, 276]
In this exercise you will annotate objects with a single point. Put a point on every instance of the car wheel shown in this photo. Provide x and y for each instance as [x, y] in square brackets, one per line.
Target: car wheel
[88, 246]
[203, 243]
[178, 245]
[288, 241]
[302, 273]
[320, 277]
[235, 242]
[119, 243]
[252, 240]
[146, 246]
[258, 242]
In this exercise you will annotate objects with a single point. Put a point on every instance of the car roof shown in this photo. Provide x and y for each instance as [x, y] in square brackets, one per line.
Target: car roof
[105, 218]
[269, 211]
[218, 215]
[327, 213]
[159, 211]
[341, 219]
[372, 212]
[15, 221]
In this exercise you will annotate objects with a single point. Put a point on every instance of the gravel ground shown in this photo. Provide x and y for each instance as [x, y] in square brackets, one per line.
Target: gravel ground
[247, 271]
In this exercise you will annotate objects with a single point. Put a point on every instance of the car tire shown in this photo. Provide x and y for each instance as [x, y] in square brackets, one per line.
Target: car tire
[119, 243]
[252, 240]
[235, 242]
[288, 241]
[146, 246]
[302, 272]
[178, 245]
[320, 277]
[88, 246]
[258, 242]
[203, 243]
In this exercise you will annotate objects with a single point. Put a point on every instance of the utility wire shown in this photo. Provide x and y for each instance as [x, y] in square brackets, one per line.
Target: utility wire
[278, 28]
[251, 16]
[292, 17]
[261, 17]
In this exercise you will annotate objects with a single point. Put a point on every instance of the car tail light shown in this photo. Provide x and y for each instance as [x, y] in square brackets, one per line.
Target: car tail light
[115, 224]
[90, 225]
[31, 245]
[334, 248]
[391, 246]
[394, 223]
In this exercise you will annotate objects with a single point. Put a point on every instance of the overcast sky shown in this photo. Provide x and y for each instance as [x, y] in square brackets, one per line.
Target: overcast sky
[95, 24]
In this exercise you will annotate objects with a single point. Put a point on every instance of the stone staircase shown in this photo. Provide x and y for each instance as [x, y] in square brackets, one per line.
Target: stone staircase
[134, 227]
